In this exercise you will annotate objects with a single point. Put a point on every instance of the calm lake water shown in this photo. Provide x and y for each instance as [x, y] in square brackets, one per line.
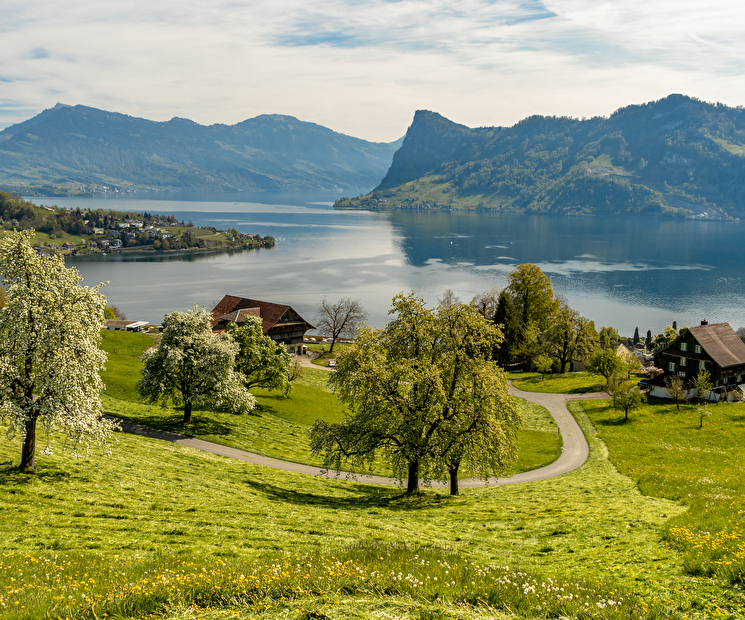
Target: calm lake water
[625, 272]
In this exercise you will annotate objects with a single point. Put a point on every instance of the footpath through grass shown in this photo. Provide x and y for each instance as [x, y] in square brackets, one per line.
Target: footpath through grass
[156, 528]
[666, 452]
[279, 427]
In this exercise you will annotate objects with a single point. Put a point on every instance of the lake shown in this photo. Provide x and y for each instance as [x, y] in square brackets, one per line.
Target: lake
[625, 272]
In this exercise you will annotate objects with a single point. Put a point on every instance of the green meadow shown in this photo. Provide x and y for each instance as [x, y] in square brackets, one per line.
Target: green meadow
[158, 530]
[568, 383]
[279, 426]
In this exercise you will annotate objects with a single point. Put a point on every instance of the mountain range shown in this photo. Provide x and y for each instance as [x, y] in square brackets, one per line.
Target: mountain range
[676, 156]
[83, 150]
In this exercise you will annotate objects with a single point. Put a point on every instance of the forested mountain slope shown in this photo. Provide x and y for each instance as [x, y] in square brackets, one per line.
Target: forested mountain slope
[674, 156]
[77, 149]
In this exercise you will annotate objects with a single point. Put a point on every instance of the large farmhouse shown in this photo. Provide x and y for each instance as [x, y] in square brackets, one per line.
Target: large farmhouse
[279, 321]
[715, 348]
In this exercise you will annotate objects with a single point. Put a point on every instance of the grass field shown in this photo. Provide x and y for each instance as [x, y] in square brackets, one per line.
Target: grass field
[569, 383]
[157, 525]
[157, 530]
[279, 427]
[669, 456]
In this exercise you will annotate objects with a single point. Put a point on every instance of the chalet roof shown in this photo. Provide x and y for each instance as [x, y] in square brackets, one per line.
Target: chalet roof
[269, 312]
[239, 316]
[721, 343]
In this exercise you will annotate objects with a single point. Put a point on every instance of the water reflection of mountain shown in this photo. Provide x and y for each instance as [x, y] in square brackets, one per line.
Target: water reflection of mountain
[666, 260]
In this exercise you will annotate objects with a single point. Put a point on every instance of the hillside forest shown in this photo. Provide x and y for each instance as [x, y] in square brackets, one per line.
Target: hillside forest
[676, 157]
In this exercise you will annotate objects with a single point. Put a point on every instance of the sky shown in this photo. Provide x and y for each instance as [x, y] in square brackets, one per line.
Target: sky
[363, 67]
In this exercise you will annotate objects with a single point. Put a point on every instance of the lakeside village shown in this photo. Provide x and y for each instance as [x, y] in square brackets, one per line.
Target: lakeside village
[668, 366]
[99, 231]
[155, 233]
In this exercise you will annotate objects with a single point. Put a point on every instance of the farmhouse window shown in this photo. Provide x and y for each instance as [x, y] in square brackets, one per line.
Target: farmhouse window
[701, 364]
[697, 348]
[682, 361]
[683, 347]
[671, 366]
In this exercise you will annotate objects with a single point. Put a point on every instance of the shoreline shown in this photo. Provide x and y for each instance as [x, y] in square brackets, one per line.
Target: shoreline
[178, 252]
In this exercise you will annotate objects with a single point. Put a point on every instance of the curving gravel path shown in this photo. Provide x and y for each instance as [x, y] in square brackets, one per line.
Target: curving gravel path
[574, 450]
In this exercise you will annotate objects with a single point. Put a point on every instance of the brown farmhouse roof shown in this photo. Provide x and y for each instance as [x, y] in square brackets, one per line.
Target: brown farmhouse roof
[721, 343]
[232, 308]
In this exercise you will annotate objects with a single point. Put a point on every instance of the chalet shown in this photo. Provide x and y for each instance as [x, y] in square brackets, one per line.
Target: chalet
[279, 321]
[715, 348]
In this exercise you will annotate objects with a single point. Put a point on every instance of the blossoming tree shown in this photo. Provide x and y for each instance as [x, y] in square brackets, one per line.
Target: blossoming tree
[193, 366]
[50, 328]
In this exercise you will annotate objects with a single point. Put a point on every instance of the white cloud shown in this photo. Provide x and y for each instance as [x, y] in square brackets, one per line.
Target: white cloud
[363, 67]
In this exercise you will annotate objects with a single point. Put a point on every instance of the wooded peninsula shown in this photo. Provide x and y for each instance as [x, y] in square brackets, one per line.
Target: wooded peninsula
[99, 231]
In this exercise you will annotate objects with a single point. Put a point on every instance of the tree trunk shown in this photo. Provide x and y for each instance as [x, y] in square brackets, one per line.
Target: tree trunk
[28, 453]
[453, 470]
[187, 413]
[412, 483]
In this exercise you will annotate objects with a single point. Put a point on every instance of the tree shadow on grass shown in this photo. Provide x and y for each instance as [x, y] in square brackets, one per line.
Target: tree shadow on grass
[200, 426]
[593, 389]
[360, 497]
[11, 476]
[612, 421]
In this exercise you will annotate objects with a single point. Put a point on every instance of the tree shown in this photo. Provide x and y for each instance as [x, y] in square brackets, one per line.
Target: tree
[568, 336]
[50, 328]
[340, 319]
[626, 397]
[486, 303]
[605, 362]
[544, 363]
[112, 312]
[648, 340]
[702, 384]
[702, 411]
[532, 295]
[448, 298]
[676, 388]
[423, 392]
[636, 338]
[661, 341]
[609, 337]
[261, 361]
[531, 304]
[193, 366]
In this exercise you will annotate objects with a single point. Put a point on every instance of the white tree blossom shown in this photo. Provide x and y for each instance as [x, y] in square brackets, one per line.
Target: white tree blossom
[194, 367]
[50, 329]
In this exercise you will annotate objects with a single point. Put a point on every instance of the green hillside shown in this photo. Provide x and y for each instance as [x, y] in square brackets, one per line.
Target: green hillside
[159, 530]
[677, 156]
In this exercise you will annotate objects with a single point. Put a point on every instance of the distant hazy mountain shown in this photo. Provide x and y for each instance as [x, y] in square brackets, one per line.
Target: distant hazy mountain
[77, 149]
[673, 156]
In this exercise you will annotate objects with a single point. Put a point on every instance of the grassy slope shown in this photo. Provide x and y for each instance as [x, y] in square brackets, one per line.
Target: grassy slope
[280, 427]
[669, 456]
[150, 497]
[155, 500]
